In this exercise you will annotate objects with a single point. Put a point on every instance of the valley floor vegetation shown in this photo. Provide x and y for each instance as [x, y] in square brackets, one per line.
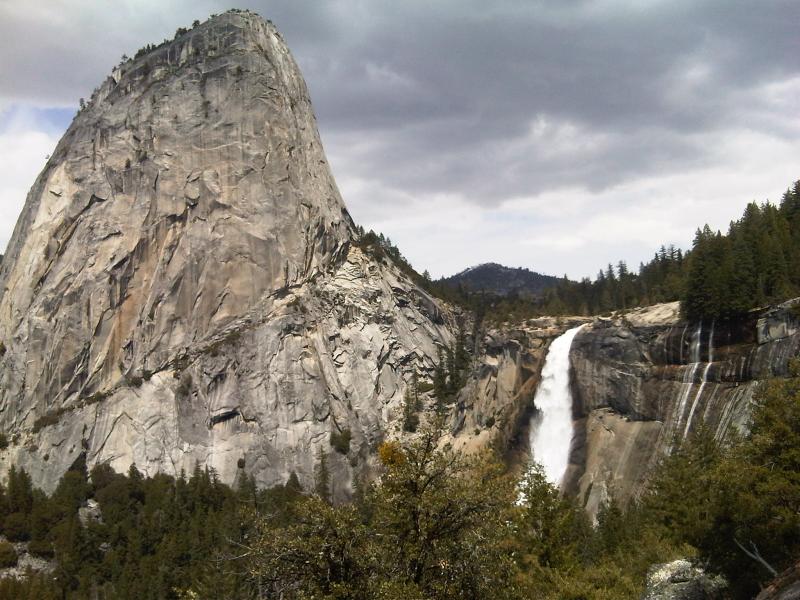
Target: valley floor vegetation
[435, 524]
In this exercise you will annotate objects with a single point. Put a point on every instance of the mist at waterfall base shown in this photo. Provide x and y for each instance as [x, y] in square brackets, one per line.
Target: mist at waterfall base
[551, 427]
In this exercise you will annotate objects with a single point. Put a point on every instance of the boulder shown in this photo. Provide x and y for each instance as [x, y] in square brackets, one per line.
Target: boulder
[680, 580]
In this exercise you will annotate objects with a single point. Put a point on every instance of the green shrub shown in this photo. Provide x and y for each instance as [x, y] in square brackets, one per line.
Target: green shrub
[134, 381]
[424, 387]
[41, 548]
[16, 527]
[8, 556]
[341, 441]
[49, 418]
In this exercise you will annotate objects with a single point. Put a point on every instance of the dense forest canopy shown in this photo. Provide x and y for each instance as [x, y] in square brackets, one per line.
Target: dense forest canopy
[756, 263]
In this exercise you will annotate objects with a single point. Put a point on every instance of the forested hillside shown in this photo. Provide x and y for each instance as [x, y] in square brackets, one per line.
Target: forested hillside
[756, 263]
[435, 524]
[495, 279]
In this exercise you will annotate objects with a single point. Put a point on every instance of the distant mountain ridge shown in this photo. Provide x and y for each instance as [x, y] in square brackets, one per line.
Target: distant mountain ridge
[501, 280]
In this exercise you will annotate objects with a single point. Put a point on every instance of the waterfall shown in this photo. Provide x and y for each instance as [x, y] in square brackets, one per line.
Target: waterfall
[680, 346]
[551, 427]
[688, 376]
[703, 380]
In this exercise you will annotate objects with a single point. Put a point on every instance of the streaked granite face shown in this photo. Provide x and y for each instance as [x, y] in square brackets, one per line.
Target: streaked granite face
[181, 286]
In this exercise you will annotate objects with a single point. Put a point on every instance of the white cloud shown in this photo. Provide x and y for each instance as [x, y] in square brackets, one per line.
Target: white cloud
[576, 230]
[22, 157]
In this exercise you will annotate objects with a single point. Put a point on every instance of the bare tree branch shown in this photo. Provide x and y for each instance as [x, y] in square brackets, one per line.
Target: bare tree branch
[756, 556]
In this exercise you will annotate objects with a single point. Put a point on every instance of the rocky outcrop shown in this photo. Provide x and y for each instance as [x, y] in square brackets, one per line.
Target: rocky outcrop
[785, 586]
[26, 563]
[643, 381]
[183, 287]
[90, 512]
[680, 580]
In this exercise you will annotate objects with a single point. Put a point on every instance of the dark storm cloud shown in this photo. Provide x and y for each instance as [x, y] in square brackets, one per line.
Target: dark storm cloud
[449, 94]
[442, 88]
[487, 101]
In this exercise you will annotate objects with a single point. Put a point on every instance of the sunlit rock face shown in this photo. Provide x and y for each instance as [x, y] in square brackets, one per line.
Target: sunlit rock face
[182, 286]
[645, 381]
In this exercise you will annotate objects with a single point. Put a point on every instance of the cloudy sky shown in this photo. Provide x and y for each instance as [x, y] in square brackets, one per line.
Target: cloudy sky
[556, 135]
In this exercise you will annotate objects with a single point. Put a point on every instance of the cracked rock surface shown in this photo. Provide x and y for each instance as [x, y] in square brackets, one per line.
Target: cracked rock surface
[182, 286]
[644, 381]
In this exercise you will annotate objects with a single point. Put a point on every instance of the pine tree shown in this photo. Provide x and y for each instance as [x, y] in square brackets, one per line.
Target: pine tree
[322, 476]
[411, 406]
[440, 379]
[19, 494]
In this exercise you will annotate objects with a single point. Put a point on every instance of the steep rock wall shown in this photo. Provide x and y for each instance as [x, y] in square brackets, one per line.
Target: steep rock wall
[193, 184]
[645, 380]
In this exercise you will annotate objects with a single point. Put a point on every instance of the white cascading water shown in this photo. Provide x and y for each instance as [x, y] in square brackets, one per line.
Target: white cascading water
[703, 380]
[551, 427]
[688, 374]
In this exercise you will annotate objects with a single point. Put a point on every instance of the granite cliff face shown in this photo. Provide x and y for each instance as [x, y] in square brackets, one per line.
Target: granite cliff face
[182, 286]
[645, 380]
